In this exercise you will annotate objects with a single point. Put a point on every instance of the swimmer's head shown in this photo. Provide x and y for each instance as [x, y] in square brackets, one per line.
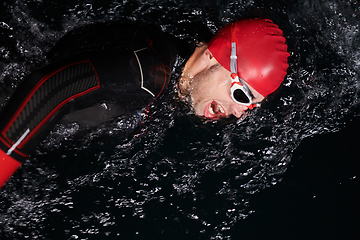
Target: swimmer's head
[260, 49]
[261, 65]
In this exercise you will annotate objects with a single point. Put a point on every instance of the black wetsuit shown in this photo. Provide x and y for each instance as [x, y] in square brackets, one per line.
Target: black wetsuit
[128, 65]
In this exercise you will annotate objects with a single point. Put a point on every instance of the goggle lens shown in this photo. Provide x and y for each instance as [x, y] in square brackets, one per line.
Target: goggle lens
[240, 96]
[238, 92]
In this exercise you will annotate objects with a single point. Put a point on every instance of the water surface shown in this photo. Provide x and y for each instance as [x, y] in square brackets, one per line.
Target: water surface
[187, 179]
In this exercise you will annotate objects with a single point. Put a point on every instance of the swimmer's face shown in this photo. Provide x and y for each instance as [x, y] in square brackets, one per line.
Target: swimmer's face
[209, 92]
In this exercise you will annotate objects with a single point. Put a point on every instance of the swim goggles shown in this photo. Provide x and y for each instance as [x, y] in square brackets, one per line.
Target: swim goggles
[239, 91]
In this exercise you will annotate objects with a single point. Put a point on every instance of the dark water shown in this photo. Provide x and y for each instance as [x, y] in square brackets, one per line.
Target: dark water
[287, 171]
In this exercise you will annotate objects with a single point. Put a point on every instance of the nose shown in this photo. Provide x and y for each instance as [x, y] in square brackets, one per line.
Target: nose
[238, 109]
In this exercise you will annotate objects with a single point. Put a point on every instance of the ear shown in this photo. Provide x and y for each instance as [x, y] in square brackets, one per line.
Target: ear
[209, 57]
[200, 60]
[208, 54]
[203, 61]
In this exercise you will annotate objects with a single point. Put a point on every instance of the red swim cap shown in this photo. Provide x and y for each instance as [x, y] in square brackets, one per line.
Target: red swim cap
[261, 52]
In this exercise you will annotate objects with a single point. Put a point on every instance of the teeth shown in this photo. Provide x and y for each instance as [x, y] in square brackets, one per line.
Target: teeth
[221, 109]
[211, 109]
[218, 108]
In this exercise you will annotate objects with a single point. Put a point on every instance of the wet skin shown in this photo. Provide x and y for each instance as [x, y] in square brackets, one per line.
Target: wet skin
[207, 84]
[210, 94]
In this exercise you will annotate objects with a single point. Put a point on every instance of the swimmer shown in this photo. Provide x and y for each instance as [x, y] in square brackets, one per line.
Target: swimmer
[232, 73]
[241, 65]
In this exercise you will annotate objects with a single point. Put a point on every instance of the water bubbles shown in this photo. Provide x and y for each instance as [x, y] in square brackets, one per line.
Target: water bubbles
[193, 216]
[5, 26]
[182, 169]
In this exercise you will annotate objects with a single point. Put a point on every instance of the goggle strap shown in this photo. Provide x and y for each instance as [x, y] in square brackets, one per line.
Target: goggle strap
[254, 105]
[233, 57]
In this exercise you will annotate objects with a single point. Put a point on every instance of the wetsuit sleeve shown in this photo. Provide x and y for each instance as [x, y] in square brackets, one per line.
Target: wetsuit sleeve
[131, 76]
[36, 106]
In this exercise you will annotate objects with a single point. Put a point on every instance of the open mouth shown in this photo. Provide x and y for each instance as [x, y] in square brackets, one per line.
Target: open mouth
[214, 111]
